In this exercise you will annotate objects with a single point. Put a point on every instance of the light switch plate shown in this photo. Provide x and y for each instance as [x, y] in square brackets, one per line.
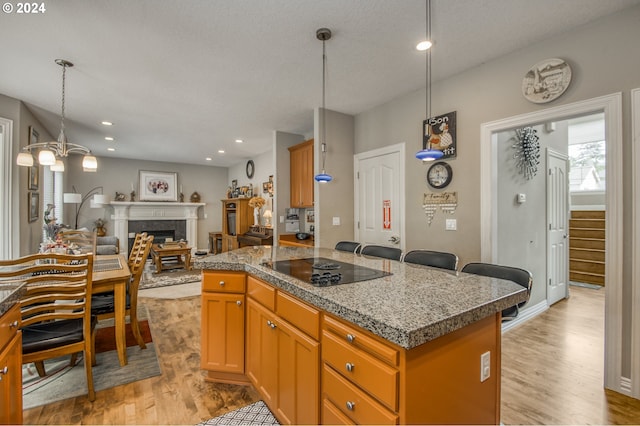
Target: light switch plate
[336, 220]
[451, 224]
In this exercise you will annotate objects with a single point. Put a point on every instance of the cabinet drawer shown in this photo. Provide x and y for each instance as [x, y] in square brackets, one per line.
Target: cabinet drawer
[359, 339]
[353, 402]
[262, 293]
[303, 316]
[331, 415]
[9, 325]
[227, 282]
[372, 375]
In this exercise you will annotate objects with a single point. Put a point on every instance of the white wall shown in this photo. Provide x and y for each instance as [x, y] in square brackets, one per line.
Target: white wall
[605, 58]
[117, 174]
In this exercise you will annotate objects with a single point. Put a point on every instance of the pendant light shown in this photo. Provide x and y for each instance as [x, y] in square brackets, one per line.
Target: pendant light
[50, 153]
[427, 153]
[323, 34]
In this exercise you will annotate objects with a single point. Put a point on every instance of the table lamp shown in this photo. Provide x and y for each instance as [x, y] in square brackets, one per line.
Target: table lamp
[267, 215]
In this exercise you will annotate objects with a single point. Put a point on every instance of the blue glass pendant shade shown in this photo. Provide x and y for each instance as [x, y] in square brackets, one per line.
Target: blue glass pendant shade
[429, 154]
[323, 177]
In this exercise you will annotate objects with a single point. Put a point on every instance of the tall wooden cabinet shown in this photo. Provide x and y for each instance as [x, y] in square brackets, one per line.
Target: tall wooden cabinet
[10, 367]
[237, 217]
[301, 174]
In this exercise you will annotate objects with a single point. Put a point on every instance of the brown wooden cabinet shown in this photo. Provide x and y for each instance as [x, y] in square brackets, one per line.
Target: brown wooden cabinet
[223, 319]
[282, 360]
[301, 174]
[237, 217]
[10, 367]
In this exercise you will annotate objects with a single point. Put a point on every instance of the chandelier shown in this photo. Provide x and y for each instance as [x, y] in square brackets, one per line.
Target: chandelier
[51, 153]
[427, 153]
[323, 34]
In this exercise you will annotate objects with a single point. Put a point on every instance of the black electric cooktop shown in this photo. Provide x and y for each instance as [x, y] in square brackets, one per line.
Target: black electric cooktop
[322, 272]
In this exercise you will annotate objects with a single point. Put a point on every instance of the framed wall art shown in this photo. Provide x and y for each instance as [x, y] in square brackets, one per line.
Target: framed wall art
[33, 173]
[158, 186]
[34, 206]
[439, 133]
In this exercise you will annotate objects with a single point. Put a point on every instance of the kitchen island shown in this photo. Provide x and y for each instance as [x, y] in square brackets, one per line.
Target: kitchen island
[402, 348]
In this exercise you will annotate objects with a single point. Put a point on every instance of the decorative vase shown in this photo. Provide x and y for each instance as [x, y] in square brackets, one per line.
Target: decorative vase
[256, 216]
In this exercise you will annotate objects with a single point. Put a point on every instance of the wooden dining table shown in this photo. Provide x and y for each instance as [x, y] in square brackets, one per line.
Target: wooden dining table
[111, 273]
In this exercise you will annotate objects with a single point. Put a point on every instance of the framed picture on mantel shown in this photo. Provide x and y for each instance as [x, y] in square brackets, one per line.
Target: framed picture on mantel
[158, 186]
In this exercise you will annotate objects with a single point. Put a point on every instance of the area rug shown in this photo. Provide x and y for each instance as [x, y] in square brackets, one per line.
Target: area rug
[166, 278]
[255, 414]
[64, 381]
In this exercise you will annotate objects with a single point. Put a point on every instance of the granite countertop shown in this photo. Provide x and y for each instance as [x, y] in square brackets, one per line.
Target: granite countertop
[10, 294]
[412, 306]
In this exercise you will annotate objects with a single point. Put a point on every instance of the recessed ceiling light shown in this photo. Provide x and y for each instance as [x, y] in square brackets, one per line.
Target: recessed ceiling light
[111, 149]
[108, 138]
[208, 158]
[239, 141]
[424, 45]
[221, 151]
[107, 123]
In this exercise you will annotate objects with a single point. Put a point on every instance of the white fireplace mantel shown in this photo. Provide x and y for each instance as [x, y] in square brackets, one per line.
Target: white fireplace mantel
[124, 211]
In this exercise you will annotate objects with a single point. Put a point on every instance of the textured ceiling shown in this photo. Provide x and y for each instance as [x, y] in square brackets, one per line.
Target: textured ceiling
[182, 79]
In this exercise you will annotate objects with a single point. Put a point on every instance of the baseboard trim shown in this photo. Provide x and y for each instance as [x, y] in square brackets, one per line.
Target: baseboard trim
[525, 315]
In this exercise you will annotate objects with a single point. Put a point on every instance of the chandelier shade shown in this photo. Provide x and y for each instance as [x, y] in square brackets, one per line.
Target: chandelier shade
[49, 153]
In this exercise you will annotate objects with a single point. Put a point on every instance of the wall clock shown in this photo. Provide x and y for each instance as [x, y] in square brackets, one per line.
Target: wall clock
[546, 80]
[250, 169]
[439, 175]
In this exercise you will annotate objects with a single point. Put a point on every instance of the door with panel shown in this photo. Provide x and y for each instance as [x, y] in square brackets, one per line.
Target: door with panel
[558, 224]
[379, 189]
[262, 351]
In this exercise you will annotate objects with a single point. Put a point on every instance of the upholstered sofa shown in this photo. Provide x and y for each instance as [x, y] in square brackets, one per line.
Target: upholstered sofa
[107, 245]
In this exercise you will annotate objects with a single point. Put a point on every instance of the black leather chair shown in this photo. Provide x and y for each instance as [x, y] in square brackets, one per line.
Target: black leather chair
[382, 251]
[517, 275]
[437, 259]
[350, 246]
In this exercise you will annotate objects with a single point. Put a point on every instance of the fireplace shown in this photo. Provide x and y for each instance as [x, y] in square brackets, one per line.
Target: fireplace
[160, 229]
[160, 219]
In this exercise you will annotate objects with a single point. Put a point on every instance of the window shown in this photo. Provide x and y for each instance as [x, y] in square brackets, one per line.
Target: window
[587, 155]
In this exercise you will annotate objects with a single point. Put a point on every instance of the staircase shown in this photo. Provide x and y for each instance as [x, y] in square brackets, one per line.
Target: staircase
[587, 246]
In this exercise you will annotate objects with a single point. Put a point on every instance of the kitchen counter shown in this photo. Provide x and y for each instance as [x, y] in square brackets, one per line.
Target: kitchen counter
[10, 294]
[414, 305]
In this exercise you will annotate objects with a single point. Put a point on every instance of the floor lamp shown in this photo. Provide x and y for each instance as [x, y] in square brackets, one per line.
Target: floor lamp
[99, 200]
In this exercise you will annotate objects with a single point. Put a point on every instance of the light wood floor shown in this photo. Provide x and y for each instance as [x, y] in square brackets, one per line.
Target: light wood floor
[552, 374]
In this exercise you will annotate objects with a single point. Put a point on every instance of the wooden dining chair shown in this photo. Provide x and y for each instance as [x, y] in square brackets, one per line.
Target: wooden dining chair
[56, 309]
[135, 248]
[103, 304]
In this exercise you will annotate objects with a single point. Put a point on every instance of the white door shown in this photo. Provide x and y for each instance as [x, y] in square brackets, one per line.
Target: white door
[379, 189]
[558, 231]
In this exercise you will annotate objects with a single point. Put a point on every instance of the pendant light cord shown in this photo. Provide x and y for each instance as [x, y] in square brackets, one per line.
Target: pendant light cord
[324, 121]
[428, 65]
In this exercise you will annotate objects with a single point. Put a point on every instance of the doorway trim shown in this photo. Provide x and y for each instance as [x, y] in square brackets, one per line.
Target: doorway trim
[635, 250]
[611, 105]
[9, 248]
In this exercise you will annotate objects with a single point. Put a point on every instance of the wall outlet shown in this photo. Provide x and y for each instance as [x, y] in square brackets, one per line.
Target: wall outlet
[281, 219]
[451, 224]
[485, 366]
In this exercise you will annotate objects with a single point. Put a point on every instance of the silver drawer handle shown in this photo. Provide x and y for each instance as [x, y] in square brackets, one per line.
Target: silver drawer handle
[14, 324]
[349, 366]
[221, 283]
[350, 338]
[4, 371]
[238, 302]
[351, 405]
